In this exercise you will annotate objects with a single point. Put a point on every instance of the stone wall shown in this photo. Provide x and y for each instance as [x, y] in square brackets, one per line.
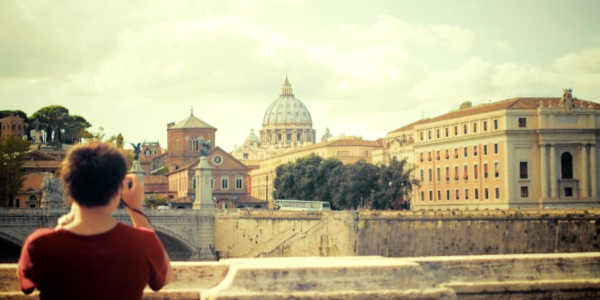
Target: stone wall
[398, 234]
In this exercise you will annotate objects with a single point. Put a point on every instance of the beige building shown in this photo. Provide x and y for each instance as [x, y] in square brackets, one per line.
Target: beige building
[347, 149]
[516, 153]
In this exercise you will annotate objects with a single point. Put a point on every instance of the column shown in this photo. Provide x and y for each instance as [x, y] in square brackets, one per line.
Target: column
[584, 171]
[594, 170]
[205, 211]
[553, 179]
[544, 171]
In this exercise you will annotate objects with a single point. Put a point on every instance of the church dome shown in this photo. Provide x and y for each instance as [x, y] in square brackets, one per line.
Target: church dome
[252, 138]
[287, 109]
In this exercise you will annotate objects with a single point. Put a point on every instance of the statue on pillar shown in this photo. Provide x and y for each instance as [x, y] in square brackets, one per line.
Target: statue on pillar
[53, 193]
[567, 101]
[203, 203]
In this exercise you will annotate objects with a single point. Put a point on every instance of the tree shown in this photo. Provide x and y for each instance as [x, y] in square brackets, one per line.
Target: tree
[395, 184]
[12, 152]
[155, 200]
[66, 128]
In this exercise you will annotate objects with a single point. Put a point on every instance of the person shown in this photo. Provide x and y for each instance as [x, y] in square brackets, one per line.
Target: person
[90, 255]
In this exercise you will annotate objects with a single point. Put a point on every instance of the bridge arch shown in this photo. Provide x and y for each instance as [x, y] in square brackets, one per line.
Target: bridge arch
[10, 247]
[177, 247]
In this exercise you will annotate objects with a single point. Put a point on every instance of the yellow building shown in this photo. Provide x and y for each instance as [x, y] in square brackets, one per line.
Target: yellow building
[347, 149]
[516, 153]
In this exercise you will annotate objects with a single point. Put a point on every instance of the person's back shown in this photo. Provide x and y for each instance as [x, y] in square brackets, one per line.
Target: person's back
[93, 256]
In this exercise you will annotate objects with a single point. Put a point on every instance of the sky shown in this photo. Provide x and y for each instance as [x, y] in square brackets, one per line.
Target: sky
[362, 68]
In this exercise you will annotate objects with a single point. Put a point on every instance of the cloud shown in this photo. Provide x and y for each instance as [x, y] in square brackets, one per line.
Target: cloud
[582, 62]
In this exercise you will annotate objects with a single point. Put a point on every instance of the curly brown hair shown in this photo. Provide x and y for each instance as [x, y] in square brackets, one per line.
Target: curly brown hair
[93, 173]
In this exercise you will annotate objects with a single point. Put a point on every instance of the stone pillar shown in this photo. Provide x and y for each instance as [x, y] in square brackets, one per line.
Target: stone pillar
[594, 170]
[53, 196]
[136, 169]
[584, 171]
[204, 203]
[544, 171]
[553, 179]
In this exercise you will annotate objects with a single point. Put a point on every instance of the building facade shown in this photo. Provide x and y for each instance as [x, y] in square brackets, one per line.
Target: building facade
[183, 140]
[12, 125]
[516, 153]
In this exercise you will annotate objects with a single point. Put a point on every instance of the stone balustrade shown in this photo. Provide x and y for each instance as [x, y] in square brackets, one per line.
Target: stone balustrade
[520, 276]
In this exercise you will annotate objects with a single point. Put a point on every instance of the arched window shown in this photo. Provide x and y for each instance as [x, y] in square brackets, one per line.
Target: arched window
[566, 165]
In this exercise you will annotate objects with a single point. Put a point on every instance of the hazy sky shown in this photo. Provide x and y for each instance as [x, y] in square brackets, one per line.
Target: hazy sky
[361, 67]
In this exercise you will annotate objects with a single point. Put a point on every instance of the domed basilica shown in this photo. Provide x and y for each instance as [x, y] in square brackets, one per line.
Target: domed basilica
[287, 124]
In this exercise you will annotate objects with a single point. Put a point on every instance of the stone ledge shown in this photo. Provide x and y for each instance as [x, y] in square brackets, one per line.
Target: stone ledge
[520, 276]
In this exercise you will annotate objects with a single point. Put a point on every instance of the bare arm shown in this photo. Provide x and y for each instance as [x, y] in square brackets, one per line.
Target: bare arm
[133, 198]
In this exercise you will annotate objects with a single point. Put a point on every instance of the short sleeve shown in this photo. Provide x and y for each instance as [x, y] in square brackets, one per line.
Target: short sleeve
[157, 261]
[26, 265]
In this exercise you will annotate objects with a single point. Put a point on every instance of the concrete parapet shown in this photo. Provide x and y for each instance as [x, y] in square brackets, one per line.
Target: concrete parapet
[524, 276]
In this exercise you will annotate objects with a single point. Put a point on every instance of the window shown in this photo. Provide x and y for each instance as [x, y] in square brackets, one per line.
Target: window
[446, 131]
[523, 170]
[496, 148]
[224, 183]
[288, 137]
[486, 195]
[212, 183]
[437, 155]
[447, 173]
[466, 151]
[448, 195]
[245, 155]
[437, 133]
[429, 156]
[421, 157]
[475, 171]
[455, 172]
[239, 182]
[522, 122]
[455, 130]
[497, 193]
[466, 173]
[422, 176]
[422, 196]
[524, 191]
[429, 134]
[439, 174]
[430, 175]
[194, 183]
[568, 192]
[476, 192]
[447, 154]
[465, 129]
[484, 149]
[566, 165]
[496, 171]
[485, 170]
[298, 137]
[455, 152]
[474, 150]
[421, 135]
[457, 194]
[466, 194]
[474, 127]
[484, 125]
[495, 124]
[430, 195]
[439, 195]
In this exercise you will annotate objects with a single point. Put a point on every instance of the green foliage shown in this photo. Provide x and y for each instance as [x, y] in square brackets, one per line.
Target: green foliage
[155, 200]
[358, 185]
[12, 152]
[67, 128]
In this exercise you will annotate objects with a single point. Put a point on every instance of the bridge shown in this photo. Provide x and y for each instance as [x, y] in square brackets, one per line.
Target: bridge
[177, 229]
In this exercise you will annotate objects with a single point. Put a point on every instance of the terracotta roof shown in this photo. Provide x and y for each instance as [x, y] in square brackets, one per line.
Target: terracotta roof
[409, 126]
[33, 181]
[46, 164]
[191, 122]
[508, 104]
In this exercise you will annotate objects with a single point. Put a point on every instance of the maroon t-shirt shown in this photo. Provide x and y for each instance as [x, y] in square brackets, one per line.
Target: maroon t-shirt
[116, 264]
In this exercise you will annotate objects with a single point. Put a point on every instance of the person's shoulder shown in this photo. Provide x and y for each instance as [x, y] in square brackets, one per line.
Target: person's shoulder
[140, 232]
[40, 234]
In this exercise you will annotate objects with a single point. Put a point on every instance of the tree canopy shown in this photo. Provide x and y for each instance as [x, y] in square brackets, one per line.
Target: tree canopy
[358, 185]
[12, 152]
[67, 128]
